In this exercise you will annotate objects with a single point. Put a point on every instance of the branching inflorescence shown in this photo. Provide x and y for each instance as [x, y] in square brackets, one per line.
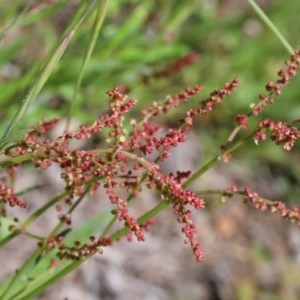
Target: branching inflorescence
[282, 133]
[124, 163]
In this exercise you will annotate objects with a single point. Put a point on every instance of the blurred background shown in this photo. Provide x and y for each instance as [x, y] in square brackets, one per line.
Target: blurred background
[250, 254]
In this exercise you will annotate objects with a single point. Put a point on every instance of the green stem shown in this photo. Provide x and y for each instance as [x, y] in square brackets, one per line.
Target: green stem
[213, 161]
[272, 26]
[33, 236]
[20, 272]
[201, 171]
[78, 201]
[33, 217]
[108, 227]
[39, 288]
[38, 252]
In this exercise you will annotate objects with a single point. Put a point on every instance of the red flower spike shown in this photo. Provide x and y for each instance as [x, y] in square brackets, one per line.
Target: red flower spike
[242, 121]
[275, 88]
[293, 214]
[7, 195]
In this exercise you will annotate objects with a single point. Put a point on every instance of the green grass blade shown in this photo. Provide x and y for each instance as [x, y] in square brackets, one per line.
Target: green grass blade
[100, 16]
[42, 14]
[34, 91]
[51, 62]
[48, 279]
[272, 26]
[15, 20]
[8, 237]
[133, 23]
[42, 277]
[10, 139]
[16, 279]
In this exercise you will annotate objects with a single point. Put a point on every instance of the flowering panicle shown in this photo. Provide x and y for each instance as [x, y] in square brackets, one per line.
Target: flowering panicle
[159, 108]
[123, 167]
[207, 105]
[272, 88]
[123, 164]
[175, 136]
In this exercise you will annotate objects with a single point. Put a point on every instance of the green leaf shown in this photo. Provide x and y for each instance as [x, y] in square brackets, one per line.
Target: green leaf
[4, 227]
[7, 141]
[51, 61]
[101, 12]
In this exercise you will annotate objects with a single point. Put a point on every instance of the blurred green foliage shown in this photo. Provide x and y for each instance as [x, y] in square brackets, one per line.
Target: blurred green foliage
[139, 36]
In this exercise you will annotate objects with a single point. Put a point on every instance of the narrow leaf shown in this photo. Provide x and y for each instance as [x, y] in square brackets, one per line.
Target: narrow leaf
[46, 71]
[101, 12]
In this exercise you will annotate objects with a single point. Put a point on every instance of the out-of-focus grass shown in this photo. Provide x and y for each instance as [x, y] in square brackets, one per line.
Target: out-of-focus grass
[140, 35]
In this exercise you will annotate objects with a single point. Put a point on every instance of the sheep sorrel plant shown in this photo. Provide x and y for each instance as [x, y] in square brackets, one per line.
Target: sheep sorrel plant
[105, 169]
[124, 167]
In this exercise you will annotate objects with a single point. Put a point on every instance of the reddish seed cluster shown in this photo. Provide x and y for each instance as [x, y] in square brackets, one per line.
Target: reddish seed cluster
[282, 133]
[171, 139]
[242, 121]
[7, 195]
[260, 203]
[205, 105]
[123, 214]
[293, 215]
[171, 190]
[43, 127]
[272, 88]
[75, 252]
[159, 108]
[174, 68]
[180, 176]
[189, 229]
[208, 105]
[255, 200]
[275, 88]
